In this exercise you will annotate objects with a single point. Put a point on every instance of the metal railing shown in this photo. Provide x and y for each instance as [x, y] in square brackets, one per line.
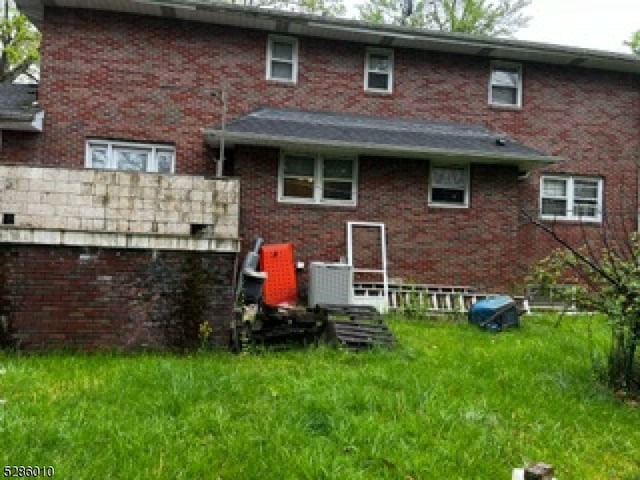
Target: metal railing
[426, 297]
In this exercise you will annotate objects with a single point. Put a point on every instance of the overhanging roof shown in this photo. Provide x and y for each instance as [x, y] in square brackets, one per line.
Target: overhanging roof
[19, 109]
[349, 30]
[363, 135]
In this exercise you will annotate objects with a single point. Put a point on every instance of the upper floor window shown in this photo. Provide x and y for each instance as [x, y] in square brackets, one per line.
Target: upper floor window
[505, 86]
[140, 157]
[449, 186]
[320, 179]
[378, 70]
[571, 198]
[282, 59]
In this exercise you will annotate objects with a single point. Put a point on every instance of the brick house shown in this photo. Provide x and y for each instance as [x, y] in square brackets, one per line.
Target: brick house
[444, 139]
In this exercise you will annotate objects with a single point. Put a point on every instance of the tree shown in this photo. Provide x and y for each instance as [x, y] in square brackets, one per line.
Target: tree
[634, 43]
[605, 275]
[333, 8]
[479, 17]
[20, 42]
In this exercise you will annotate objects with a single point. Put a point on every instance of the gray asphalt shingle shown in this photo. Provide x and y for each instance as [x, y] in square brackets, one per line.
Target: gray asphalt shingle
[376, 131]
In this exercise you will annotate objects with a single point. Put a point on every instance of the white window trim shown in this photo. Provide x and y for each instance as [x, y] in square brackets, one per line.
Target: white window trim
[570, 179]
[294, 71]
[318, 181]
[467, 187]
[496, 65]
[385, 51]
[111, 161]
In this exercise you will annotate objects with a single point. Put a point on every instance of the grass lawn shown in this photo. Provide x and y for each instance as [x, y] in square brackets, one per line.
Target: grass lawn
[451, 402]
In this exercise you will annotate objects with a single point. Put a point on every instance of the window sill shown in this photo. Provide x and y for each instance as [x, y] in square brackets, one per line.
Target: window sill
[447, 206]
[509, 108]
[297, 203]
[572, 221]
[378, 93]
[282, 83]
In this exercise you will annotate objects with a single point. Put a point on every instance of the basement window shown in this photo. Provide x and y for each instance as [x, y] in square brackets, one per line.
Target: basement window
[130, 156]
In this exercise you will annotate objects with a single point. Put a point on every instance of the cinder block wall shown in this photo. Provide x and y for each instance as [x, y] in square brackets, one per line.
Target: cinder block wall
[147, 79]
[125, 202]
[89, 298]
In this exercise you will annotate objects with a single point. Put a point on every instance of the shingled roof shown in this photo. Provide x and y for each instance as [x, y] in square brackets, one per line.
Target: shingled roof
[377, 136]
[388, 36]
[19, 108]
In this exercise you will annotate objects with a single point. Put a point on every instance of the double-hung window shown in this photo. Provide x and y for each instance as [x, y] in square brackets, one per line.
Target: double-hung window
[449, 186]
[571, 198]
[505, 85]
[282, 59]
[318, 179]
[139, 157]
[378, 70]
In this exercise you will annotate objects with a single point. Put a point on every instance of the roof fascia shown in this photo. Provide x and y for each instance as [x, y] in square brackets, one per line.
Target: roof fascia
[524, 163]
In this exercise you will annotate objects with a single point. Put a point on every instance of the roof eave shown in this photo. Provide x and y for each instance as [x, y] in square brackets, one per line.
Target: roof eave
[524, 163]
[271, 20]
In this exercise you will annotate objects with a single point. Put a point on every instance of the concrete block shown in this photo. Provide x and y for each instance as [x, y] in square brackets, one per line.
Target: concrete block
[65, 187]
[99, 189]
[40, 209]
[182, 182]
[71, 223]
[47, 237]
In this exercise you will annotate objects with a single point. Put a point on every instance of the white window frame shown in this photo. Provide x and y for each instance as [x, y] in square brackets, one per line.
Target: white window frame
[503, 66]
[318, 180]
[467, 186]
[294, 61]
[570, 198]
[378, 51]
[113, 145]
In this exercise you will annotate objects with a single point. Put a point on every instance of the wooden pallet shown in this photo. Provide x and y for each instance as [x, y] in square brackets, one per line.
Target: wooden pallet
[356, 327]
[351, 326]
[355, 335]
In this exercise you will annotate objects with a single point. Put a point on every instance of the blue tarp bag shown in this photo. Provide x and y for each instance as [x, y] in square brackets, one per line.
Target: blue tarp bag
[495, 313]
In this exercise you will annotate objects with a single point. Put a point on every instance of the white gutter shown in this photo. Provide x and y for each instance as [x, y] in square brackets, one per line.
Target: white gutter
[524, 162]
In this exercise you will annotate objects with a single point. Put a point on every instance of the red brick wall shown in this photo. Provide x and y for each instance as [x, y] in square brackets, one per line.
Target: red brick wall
[143, 78]
[474, 246]
[108, 298]
[19, 147]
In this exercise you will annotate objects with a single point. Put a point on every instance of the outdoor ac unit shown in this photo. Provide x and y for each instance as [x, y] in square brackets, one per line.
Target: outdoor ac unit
[330, 283]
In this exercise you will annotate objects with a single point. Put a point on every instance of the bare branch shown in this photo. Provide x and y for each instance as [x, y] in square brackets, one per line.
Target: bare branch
[583, 258]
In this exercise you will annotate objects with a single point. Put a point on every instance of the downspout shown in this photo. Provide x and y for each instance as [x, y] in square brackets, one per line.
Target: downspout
[222, 96]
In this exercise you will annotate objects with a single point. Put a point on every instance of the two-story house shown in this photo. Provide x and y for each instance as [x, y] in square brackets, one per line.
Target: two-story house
[315, 122]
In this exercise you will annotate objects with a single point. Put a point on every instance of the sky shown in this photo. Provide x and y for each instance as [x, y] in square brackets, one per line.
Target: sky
[596, 24]
[593, 24]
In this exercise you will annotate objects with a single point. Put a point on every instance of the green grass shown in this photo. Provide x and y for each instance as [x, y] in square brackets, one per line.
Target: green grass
[450, 402]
